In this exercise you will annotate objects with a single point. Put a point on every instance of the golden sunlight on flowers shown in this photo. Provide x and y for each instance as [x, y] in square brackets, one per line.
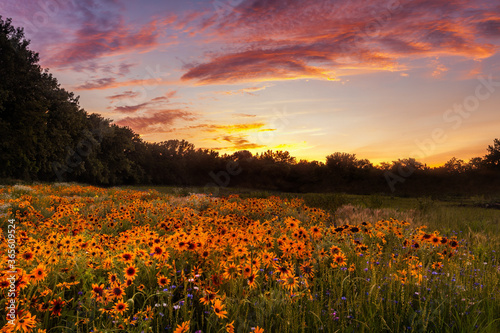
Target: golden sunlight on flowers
[130, 260]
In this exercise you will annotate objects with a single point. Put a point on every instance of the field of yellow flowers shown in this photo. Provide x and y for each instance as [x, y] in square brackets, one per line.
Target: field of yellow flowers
[112, 260]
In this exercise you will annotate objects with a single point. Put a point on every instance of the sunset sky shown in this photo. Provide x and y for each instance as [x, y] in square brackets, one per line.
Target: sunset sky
[381, 79]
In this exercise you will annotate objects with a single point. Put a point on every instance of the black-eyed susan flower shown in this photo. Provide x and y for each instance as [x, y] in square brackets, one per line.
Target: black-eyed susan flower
[251, 281]
[334, 250]
[26, 323]
[163, 281]
[289, 282]
[339, 259]
[182, 328]
[28, 256]
[126, 257]
[218, 308]
[435, 240]
[208, 297]
[97, 291]
[116, 292]
[120, 307]
[39, 273]
[230, 327]
[307, 270]
[112, 278]
[437, 265]
[130, 272]
[56, 306]
[231, 271]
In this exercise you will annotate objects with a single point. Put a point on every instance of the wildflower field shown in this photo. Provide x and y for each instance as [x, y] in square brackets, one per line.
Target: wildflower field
[118, 260]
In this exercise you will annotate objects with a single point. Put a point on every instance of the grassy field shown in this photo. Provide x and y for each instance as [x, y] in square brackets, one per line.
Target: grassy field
[168, 260]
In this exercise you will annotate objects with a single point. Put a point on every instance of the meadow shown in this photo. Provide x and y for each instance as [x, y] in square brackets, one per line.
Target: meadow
[90, 259]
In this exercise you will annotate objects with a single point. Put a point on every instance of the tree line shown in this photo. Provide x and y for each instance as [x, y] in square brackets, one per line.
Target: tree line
[47, 136]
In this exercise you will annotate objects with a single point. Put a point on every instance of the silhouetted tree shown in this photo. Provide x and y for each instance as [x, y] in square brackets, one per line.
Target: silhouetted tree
[455, 165]
[492, 159]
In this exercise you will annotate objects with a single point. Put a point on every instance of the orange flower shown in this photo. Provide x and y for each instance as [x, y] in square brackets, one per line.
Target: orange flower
[247, 271]
[437, 265]
[290, 282]
[251, 281]
[97, 291]
[57, 306]
[334, 250]
[112, 278]
[130, 272]
[208, 297]
[163, 281]
[116, 292]
[157, 250]
[182, 328]
[39, 273]
[126, 257]
[435, 240]
[230, 327]
[25, 323]
[219, 309]
[120, 307]
[307, 270]
[231, 271]
[28, 256]
[339, 260]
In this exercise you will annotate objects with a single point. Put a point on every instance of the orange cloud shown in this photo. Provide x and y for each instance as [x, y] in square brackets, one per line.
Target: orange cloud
[234, 128]
[255, 66]
[283, 40]
[238, 142]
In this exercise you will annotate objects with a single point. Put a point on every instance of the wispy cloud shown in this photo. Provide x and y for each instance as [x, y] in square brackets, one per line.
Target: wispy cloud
[111, 82]
[103, 83]
[157, 121]
[244, 115]
[242, 91]
[131, 104]
[125, 94]
[131, 108]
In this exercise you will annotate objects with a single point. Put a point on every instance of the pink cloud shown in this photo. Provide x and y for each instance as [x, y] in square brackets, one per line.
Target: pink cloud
[130, 108]
[75, 33]
[125, 94]
[151, 123]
